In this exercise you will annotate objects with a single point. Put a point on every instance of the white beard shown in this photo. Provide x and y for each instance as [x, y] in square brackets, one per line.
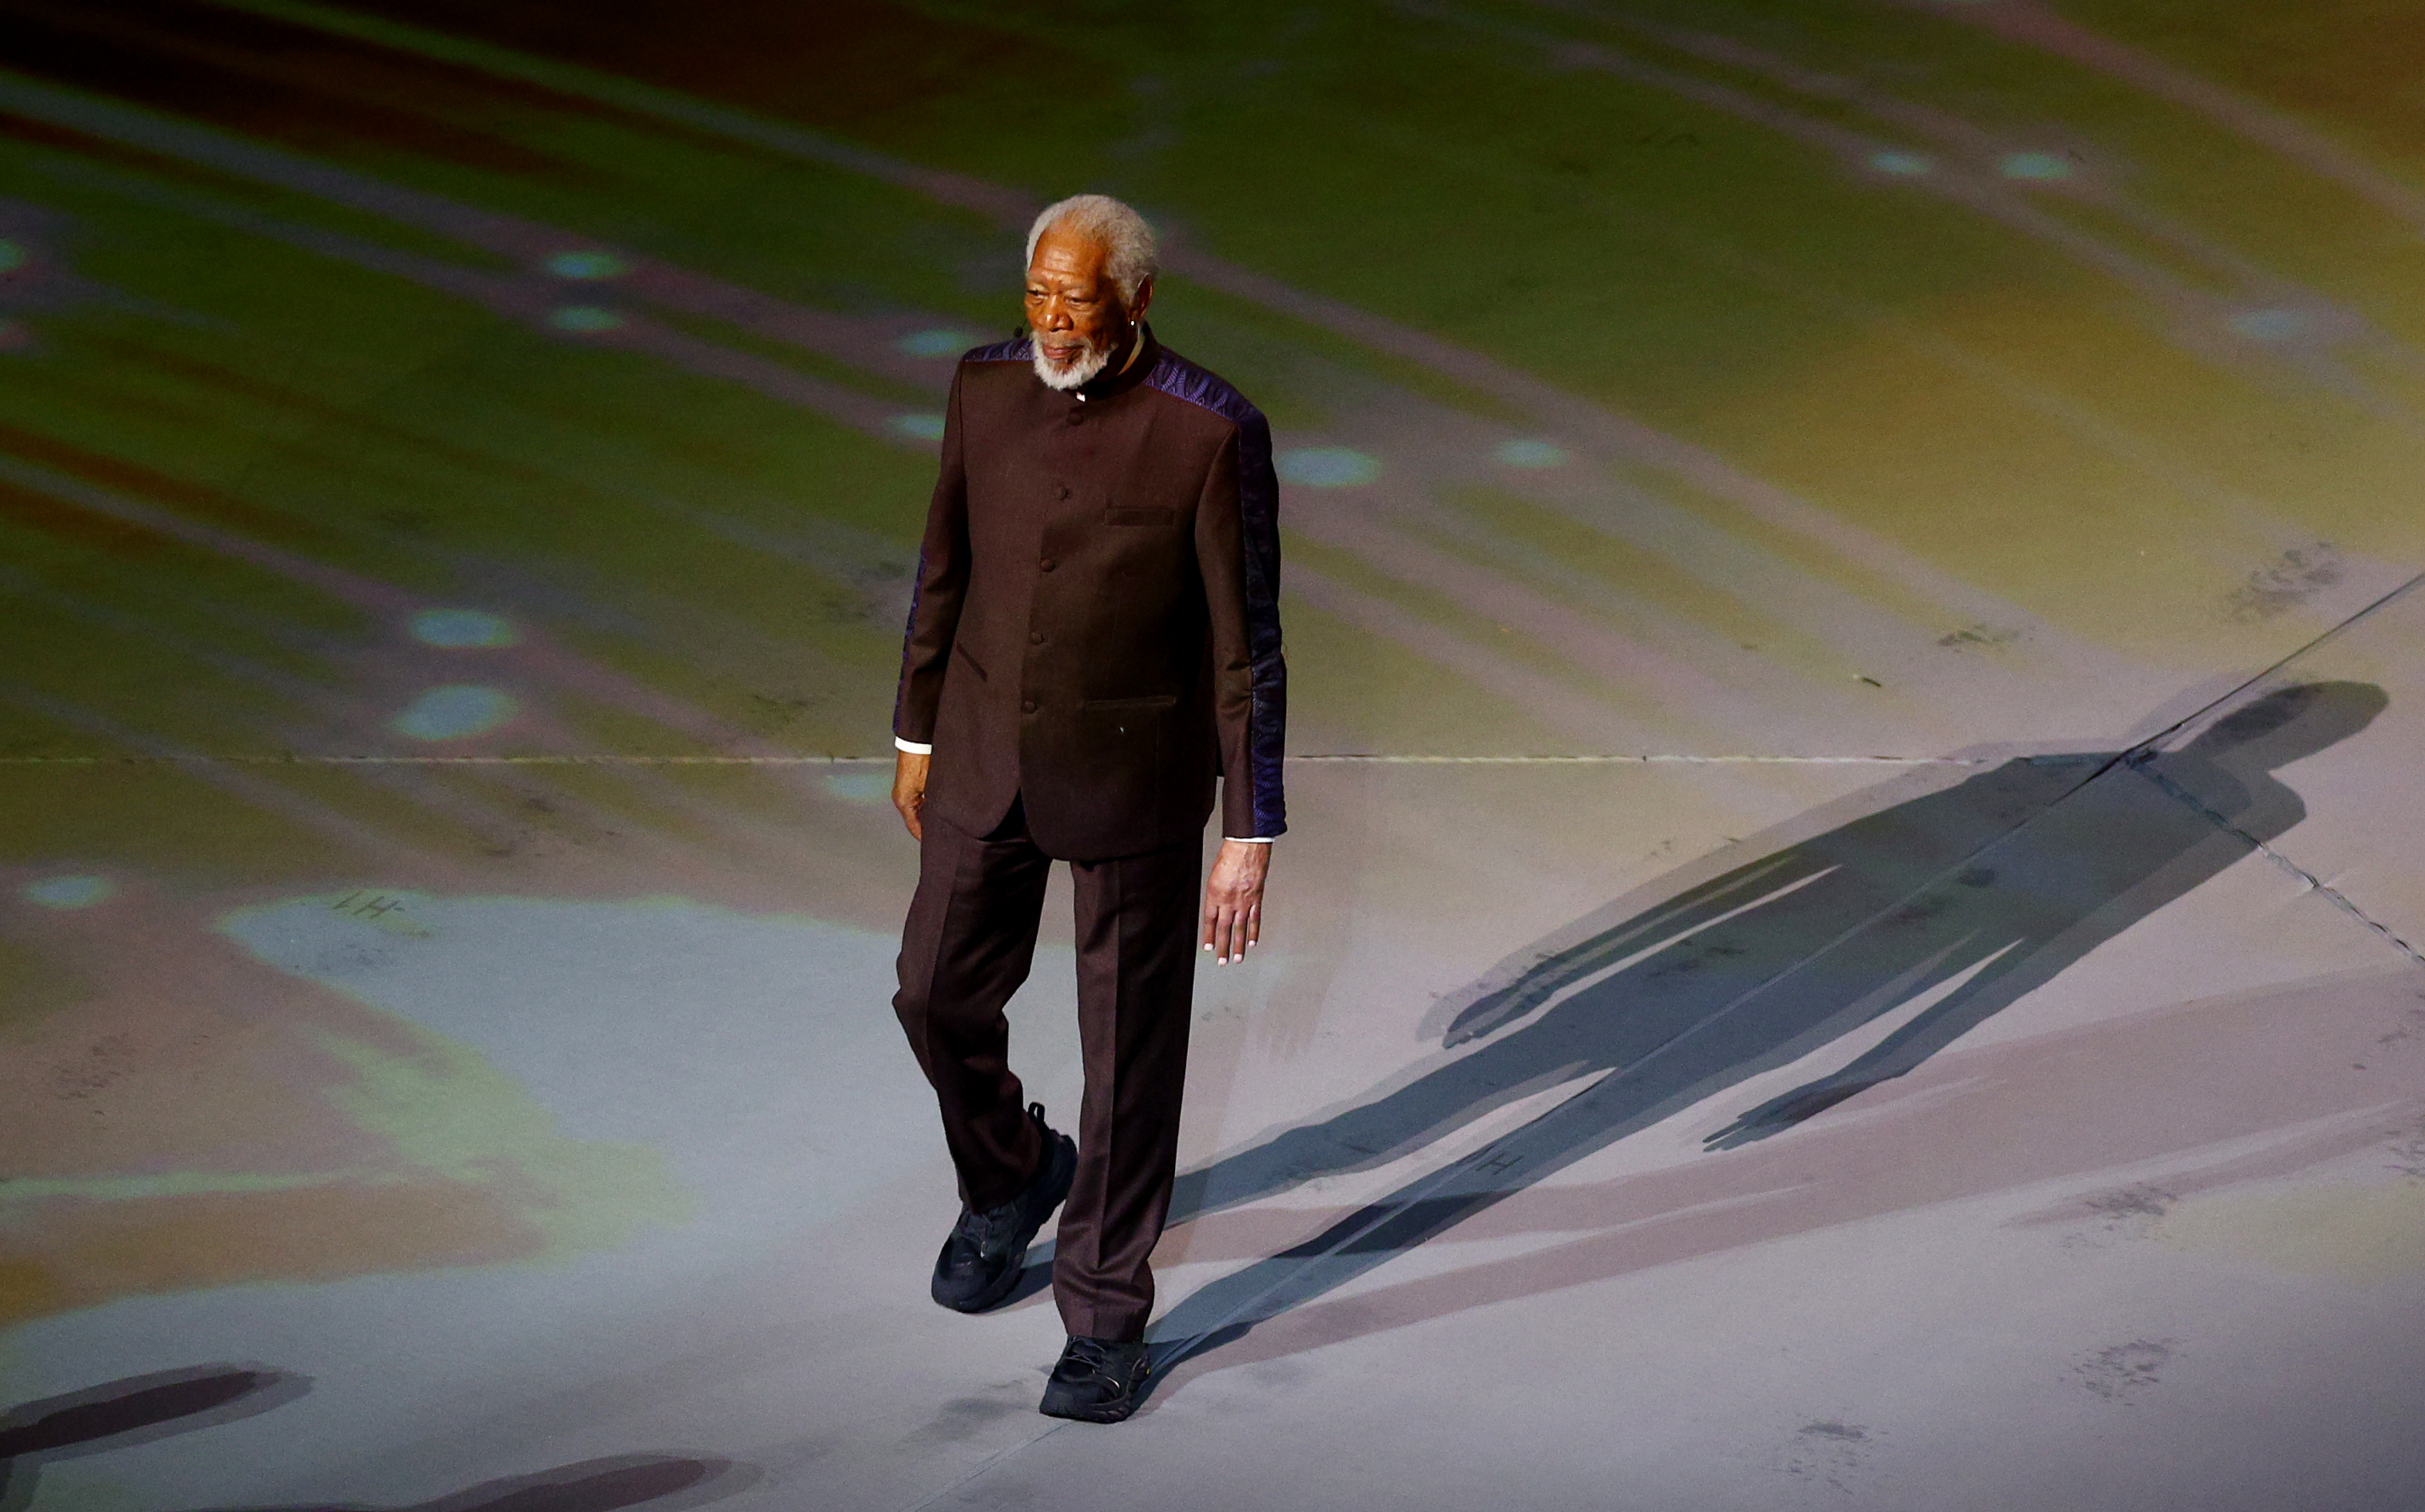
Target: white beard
[1091, 362]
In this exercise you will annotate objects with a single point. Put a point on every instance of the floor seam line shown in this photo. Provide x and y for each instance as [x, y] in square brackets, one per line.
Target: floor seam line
[986, 1464]
[2313, 882]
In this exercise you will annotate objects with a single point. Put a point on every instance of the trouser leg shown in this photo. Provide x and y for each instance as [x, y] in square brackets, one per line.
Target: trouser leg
[1136, 972]
[966, 947]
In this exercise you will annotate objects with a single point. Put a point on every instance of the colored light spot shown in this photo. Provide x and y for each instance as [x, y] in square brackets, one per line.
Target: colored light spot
[460, 628]
[69, 892]
[2269, 325]
[1328, 467]
[1527, 453]
[15, 336]
[584, 318]
[588, 266]
[925, 427]
[935, 343]
[1902, 163]
[870, 787]
[2035, 166]
[455, 712]
[12, 257]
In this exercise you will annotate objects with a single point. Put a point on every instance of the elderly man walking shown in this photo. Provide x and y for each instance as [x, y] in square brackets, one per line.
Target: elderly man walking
[1095, 639]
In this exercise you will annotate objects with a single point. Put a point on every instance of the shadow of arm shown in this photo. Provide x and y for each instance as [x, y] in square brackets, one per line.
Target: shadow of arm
[1527, 982]
[1991, 984]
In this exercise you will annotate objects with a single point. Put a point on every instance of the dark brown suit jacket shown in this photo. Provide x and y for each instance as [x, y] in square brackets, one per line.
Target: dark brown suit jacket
[1096, 625]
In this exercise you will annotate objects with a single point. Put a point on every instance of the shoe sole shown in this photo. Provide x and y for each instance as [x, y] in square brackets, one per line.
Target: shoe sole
[991, 1297]
[1100, 1415]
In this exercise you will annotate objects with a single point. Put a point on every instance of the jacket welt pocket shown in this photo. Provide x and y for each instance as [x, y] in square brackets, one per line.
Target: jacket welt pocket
[1155, 701]
[961, 649]
[1140, 517]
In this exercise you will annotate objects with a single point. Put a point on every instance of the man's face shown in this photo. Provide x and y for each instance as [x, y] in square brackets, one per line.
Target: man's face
[1074, 309]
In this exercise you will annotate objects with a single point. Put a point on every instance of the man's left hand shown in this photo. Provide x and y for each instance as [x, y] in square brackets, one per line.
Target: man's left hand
[1233, 900]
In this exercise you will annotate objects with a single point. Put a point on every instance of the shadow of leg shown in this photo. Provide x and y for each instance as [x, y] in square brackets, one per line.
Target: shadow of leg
[134, 1410]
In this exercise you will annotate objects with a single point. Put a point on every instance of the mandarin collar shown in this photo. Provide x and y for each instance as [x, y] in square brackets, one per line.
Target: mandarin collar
[1104, 384]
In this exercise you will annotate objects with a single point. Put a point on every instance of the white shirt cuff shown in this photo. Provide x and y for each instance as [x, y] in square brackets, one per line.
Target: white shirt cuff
[1249, 839]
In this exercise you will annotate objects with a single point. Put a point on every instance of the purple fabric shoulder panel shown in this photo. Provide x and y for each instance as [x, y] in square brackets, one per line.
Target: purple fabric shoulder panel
[1019, 348]
[1259, 504]
[1181, 380]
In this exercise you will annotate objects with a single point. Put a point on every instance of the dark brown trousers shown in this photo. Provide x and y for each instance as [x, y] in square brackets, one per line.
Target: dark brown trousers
[967, 946]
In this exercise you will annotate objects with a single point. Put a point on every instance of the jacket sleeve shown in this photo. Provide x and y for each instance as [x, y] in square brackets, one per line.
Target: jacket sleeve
[1238, 553]
[937, 592]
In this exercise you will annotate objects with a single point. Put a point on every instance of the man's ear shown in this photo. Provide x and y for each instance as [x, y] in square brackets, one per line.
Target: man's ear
[1143, 297]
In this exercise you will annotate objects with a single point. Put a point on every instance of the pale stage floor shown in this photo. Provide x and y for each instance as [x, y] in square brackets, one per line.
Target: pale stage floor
[1849, 935]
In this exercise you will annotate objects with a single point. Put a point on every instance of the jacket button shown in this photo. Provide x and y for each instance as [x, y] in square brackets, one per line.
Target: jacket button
[1028, 707]
[1065, 490]
[1077, 417]
[1035, 640]
[1048, 564]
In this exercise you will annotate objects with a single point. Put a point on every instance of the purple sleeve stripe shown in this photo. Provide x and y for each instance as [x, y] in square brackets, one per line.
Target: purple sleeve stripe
[916, 591]
[1259, 511]
[1259, 504]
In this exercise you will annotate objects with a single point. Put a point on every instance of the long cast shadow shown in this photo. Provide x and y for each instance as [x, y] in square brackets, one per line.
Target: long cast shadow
[2193, 1099]
[655, 1481]
[140, 1408]
[1945, 908]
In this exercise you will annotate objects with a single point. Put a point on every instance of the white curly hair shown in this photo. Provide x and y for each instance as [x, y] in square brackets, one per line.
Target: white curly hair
[1123, 233]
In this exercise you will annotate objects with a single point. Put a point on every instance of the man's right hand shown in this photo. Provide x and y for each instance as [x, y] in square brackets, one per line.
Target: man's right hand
[909, 788]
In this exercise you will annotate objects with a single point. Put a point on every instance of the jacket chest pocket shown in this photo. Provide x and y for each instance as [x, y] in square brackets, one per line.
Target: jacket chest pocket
[1149, 701]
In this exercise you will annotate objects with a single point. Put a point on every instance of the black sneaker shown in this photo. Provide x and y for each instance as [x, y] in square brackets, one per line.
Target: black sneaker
[980, 1263]
[1097, 1380]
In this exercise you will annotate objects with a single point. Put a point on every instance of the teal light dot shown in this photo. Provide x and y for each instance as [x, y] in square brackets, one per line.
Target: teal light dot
[70, 892]
[455, 712]
[2269, 325]
[870, 787]
[936, 342]
[925, 427]
[12, 257]
[1902, 163]
[458, 628]
[584, 318]
[1328, 467]
[2035, 166]
[588, 266]
[1525, 452]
